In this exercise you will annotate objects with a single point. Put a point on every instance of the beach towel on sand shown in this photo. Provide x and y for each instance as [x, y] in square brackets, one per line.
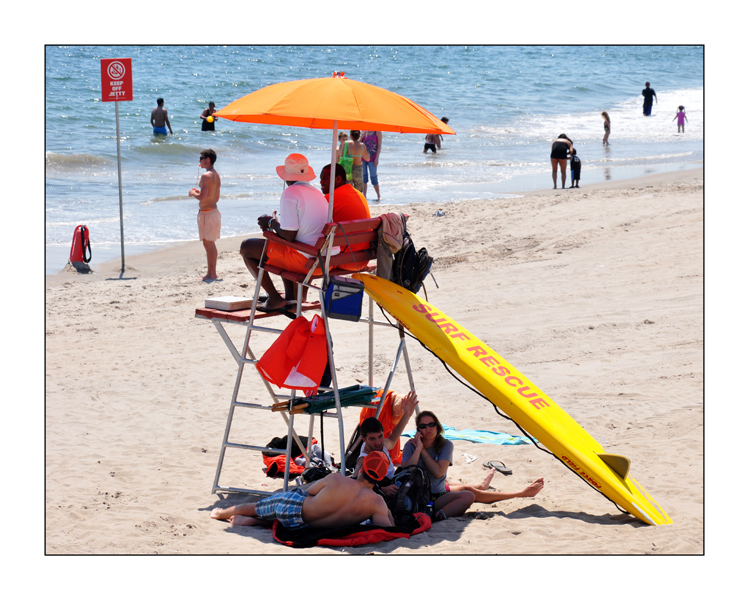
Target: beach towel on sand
[355, 535]
[479, 436]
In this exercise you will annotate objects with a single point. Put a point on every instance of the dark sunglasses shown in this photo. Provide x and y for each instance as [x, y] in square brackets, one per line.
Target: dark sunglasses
[425, 425]
[203, 157]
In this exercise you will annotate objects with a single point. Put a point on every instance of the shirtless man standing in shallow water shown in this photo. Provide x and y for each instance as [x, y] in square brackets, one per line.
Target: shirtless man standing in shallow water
[334, 501]
[160, 118]
[209, 217]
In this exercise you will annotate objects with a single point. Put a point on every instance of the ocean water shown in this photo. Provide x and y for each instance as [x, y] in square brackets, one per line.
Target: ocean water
[506, 104]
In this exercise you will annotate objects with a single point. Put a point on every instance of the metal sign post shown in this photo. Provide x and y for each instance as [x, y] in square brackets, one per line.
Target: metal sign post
[119, 183]
[117, 86]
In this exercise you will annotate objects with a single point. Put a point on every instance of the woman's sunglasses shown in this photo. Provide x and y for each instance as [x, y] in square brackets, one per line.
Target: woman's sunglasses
[425, 425]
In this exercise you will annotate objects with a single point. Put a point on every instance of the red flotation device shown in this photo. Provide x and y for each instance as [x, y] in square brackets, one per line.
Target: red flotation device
[297, 359]
[353, 535]
[80, 250]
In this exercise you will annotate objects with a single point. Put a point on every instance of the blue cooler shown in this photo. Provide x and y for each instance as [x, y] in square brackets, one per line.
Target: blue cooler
[343, 298]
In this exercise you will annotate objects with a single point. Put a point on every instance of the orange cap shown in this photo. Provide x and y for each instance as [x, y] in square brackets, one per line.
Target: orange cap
[376, 465]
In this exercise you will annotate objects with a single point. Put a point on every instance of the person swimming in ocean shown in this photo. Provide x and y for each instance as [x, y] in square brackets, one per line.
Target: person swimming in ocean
[159, 118]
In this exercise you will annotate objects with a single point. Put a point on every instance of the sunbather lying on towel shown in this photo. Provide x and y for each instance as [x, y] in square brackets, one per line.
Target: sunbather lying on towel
[334, 501]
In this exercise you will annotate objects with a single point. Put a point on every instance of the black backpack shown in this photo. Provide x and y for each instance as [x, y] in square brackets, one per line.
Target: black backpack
[280, 443]
[353, 449]
[414, 493]
[410, 267]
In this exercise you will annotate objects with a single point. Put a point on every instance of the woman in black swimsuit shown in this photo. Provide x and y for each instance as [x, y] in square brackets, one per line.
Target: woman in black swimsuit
[560, 148]
[606, 127]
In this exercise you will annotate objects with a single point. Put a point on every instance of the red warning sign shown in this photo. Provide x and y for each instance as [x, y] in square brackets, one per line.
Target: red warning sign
[116, 80]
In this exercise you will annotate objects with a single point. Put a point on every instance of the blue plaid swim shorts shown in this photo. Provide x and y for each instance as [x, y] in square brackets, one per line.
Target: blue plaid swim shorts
[284, 506]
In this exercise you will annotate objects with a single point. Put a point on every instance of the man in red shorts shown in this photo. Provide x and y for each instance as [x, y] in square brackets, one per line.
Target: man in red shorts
[303, 214]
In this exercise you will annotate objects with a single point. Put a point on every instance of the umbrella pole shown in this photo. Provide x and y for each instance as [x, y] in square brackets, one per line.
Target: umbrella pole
[333, 161]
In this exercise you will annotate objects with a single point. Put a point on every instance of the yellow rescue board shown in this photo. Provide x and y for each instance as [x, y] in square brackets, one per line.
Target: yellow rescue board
[520, 399]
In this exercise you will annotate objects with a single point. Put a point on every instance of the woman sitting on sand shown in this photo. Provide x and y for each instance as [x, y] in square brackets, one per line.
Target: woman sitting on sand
[430, 450]
[560, 148]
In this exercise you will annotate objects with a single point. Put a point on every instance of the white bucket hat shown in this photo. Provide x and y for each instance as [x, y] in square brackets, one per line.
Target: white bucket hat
[295, 168]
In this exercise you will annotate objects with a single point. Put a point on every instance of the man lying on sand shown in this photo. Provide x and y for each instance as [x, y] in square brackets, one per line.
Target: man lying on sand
[335, 501]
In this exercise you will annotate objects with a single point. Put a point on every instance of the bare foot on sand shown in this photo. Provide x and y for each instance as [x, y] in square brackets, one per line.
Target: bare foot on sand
[484, 485]
[532, 489]
[231, 514]
[222, 513]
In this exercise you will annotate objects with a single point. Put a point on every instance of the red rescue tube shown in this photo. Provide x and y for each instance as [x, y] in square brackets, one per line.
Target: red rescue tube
[80, 251]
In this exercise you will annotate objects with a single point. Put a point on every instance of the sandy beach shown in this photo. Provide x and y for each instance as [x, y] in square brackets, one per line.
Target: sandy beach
[595, 294]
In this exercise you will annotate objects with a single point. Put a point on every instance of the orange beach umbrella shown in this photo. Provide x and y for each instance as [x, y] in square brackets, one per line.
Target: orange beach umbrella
[333, 103]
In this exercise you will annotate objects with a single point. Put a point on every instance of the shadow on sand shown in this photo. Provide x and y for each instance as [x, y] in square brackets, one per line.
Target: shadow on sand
[451, 530]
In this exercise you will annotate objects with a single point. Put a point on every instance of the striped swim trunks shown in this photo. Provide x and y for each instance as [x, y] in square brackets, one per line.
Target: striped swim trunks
[284, 506]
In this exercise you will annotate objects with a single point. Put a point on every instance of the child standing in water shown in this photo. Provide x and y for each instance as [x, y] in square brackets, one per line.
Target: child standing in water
[682, 118]
[575, 166]
[606, 127]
